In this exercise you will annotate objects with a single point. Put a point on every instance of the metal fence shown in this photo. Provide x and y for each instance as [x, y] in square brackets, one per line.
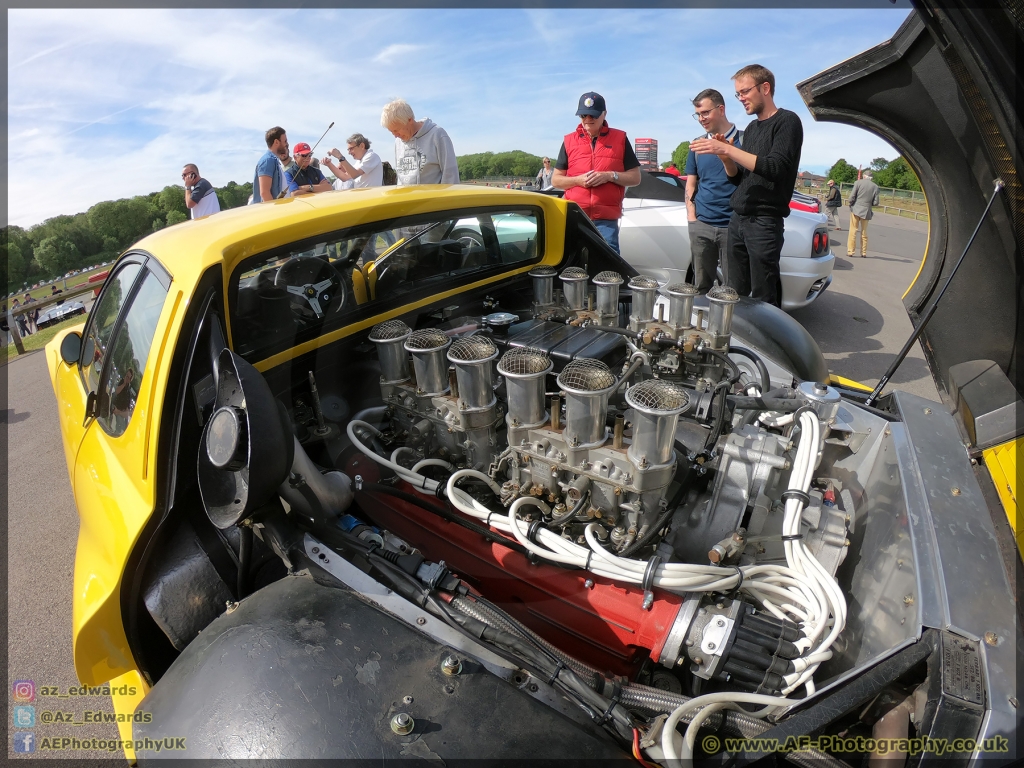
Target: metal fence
[907, 203]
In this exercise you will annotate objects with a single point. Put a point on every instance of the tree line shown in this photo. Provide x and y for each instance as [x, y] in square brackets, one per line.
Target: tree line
[56, 246]
[894, 174]
[514, 163]
[50, 249]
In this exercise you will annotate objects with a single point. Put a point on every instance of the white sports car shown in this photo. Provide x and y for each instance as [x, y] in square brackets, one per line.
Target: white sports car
[654, 239]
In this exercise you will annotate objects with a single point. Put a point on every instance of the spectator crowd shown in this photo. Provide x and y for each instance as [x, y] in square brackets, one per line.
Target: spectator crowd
[738, 182]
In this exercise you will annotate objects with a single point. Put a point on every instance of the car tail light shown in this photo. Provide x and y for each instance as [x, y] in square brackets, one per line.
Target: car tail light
[816, 243]
[824, 243]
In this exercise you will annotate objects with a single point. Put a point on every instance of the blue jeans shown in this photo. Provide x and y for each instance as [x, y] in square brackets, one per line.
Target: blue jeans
[609, 229]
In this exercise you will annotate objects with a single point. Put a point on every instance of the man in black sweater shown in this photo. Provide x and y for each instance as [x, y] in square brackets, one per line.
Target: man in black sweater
[764, 173]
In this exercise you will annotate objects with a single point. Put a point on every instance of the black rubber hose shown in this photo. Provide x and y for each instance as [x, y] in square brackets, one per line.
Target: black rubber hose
[570, 514]
[244, 559]
[716, 431]
[451, 517]
[662, 520]
[743, 403]
[750, 416]
[724, 358]
[762, 369]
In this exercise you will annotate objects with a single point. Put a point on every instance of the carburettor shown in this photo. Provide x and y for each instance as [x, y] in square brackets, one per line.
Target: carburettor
[575, 466]
[450, 417]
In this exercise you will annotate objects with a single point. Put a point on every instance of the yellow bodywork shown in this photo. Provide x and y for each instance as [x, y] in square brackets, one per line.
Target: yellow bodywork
[1002, 466]
[114, 479]
[841, 381]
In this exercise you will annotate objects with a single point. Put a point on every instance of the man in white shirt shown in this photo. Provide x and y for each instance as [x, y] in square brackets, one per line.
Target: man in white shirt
[365, 169]
[199, 193]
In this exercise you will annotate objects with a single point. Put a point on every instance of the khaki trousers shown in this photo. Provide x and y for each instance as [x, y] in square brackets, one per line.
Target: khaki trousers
[858, 226]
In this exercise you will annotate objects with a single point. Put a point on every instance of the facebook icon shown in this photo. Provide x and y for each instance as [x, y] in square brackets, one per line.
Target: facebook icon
[24, 741]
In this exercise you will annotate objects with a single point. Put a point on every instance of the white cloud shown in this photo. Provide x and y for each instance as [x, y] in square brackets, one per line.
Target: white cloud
[395, 51]
[114, 102]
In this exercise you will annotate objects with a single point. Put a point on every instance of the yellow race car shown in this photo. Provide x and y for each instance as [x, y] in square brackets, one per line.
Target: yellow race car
[431, 472]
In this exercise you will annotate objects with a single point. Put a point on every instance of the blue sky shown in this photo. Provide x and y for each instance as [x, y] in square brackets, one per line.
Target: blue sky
[112, 103]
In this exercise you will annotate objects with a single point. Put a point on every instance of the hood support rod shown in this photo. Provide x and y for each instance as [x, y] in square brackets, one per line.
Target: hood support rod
[927, 315]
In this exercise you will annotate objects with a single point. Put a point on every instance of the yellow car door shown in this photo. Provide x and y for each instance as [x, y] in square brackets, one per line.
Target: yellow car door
[110, 417]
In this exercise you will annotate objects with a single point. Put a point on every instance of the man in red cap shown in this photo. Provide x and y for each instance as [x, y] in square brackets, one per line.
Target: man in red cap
[595, 165]
[303, 178]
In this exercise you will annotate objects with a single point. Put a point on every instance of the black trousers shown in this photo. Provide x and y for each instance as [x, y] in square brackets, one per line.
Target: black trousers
[755, 247]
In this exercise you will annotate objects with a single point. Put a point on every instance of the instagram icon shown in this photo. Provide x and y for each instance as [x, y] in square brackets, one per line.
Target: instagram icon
[24, 691]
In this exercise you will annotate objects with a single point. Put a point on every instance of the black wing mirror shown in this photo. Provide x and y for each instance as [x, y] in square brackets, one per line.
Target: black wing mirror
[71, 348]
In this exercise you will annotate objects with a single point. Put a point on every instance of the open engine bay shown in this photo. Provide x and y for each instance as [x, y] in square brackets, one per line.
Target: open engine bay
[606, 489]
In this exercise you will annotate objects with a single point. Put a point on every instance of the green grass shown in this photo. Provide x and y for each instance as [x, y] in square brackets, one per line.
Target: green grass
[39, 340]
[74, 281]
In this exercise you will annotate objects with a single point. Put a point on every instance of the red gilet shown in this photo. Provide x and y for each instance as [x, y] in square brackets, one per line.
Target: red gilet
[607, 154]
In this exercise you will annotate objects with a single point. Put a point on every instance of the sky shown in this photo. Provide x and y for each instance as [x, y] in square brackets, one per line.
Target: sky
[112, 103]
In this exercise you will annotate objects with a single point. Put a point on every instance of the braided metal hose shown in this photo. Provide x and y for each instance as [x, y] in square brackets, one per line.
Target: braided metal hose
[645, 698]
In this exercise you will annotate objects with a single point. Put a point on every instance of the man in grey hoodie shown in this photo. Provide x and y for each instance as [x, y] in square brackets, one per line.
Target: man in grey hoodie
[423, 152]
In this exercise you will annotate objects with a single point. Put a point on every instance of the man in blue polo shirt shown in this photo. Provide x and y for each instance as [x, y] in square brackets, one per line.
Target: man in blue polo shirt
[268, 183]
[708, 191]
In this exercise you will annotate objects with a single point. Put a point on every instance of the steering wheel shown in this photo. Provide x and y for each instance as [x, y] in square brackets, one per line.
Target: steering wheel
[313, 284]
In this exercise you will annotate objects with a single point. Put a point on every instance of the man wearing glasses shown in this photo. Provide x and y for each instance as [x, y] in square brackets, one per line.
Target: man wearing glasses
[708, 191]
[595, 165]
[365, 170]
[200, 196]
[764, 173]
[303, 178]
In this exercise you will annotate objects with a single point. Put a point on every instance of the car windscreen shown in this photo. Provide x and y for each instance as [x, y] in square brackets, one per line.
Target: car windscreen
[290, 295]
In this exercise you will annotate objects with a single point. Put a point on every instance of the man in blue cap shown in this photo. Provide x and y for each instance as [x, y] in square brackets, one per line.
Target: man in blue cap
[595, 165]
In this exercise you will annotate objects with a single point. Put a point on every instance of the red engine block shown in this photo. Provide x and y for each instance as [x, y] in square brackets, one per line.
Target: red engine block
[603, 625]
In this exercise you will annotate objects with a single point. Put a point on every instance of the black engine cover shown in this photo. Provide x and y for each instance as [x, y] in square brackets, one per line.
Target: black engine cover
[302, 670]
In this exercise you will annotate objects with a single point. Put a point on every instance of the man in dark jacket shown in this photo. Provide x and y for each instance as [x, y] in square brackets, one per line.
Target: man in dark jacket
[764, 172]
[833, 200]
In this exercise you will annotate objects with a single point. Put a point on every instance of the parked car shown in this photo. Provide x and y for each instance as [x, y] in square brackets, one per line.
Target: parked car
[294, 515]
[654, 238]
[59, 313]
[805, 202]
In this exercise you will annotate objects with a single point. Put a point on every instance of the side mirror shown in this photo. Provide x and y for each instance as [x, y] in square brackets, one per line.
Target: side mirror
[71, 348]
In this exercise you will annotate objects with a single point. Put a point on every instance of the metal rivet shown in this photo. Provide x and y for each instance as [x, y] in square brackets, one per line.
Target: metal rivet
[721, 622]
[955, 491]
[711, 646]
[407, 700]
[402, 723]
[421, 621]
[991, 638]
[927, 411]
[315, 550]
[908, 599]
[231, 606]
[589, 583]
